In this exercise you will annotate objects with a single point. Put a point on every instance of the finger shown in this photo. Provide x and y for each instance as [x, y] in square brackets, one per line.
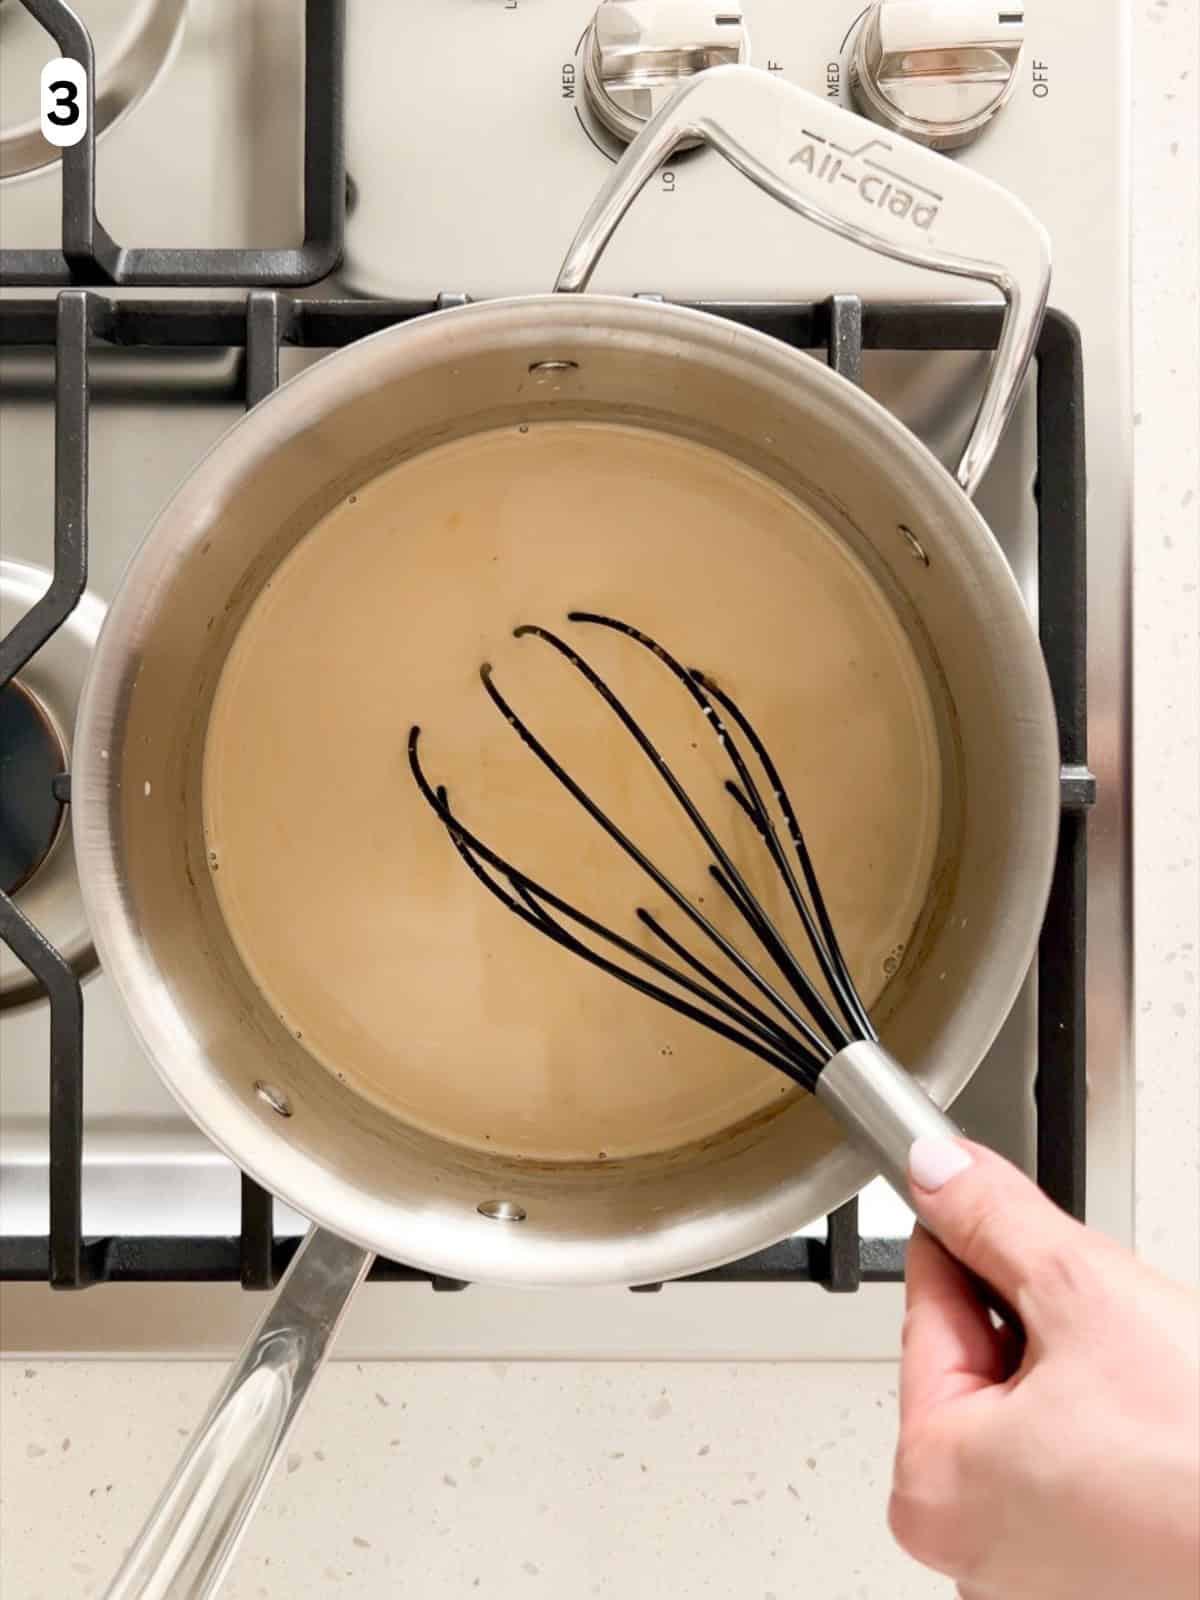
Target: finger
[997, 1222]
[949, 1345]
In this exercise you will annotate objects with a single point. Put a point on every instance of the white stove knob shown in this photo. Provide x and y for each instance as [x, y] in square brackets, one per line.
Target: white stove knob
[936, 70]
[638, 52]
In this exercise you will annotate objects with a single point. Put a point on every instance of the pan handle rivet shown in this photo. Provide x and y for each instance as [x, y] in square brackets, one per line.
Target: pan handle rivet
[541, 369]
[914, 544]
[275, 1098]
[501, 1210]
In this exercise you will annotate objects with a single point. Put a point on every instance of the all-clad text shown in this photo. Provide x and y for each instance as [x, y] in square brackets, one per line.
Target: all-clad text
[873, 189]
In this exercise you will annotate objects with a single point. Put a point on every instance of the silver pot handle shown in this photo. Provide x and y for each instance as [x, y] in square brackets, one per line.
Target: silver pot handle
[189, 1539]
[859, 180]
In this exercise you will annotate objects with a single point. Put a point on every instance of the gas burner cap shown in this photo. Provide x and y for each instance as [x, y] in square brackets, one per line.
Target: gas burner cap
[31, 757]
[131, 44]
[37, 712]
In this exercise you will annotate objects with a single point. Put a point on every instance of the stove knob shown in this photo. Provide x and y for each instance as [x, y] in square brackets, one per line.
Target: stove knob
[637, 52]
[936, 70]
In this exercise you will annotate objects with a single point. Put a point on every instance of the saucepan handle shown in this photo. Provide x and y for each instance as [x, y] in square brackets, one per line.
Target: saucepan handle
[855, 178]
[191, 1535]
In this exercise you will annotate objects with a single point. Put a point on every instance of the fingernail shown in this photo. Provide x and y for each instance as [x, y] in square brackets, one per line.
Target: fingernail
[934, 1161]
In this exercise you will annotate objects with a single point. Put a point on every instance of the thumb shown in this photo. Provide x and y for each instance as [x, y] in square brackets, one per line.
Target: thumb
[1001, 1226]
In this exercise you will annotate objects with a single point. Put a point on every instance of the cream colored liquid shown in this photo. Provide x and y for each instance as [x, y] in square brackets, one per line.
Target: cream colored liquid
[341, 889]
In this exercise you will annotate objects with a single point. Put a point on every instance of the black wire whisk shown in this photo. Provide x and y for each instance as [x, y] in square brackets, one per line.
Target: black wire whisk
[829, 1046]
[788, 1040]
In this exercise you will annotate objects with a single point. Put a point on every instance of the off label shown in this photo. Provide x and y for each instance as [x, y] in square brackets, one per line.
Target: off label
[64, 102]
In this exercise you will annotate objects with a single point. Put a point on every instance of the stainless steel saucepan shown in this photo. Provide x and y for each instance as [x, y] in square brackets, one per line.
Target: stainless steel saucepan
[390, 1187]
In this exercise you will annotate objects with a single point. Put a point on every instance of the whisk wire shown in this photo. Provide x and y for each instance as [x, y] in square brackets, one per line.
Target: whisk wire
[621, 711]
[794, 1046]
[826, 948]
[749, 911]
[630, 847]
[769, 1028]
[769, 1042]
[773, 1046]
[699, 687]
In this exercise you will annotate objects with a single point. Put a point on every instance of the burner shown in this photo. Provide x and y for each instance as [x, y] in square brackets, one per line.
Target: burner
[31, 757]
[37, 713]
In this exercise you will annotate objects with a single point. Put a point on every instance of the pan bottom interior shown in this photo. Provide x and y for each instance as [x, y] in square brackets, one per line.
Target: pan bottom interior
[341, 890]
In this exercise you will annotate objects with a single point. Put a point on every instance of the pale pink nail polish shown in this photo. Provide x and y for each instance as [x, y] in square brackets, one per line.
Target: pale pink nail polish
[932, 1162]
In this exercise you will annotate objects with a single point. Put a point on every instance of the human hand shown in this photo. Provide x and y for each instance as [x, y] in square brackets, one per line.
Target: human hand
[1078, 1476]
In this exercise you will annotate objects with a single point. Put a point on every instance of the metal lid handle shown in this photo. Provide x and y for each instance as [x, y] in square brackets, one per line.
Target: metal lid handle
[874, 187]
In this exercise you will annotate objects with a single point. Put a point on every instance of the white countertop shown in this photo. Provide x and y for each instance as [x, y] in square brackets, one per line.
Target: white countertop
[632, 1479]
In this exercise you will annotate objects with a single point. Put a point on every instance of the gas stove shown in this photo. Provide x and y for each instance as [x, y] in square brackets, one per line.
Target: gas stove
[404, 159]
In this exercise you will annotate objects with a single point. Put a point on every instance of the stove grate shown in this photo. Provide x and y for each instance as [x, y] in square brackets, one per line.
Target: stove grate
[87, 254]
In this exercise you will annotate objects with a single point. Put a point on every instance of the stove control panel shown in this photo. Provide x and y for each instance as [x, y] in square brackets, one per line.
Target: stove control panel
[936, 70]
[637, 52]
[561, 86]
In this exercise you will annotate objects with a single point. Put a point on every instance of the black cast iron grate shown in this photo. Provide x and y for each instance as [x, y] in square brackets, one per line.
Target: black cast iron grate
[89, 255]
[842, 327]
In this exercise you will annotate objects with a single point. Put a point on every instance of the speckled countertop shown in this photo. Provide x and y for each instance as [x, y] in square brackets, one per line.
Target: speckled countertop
[765, 1481]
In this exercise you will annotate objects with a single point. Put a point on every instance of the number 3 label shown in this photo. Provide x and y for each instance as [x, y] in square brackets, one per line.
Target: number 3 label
[64, 102]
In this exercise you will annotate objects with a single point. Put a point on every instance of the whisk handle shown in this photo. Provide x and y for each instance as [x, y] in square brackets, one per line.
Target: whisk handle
[883, 1110]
